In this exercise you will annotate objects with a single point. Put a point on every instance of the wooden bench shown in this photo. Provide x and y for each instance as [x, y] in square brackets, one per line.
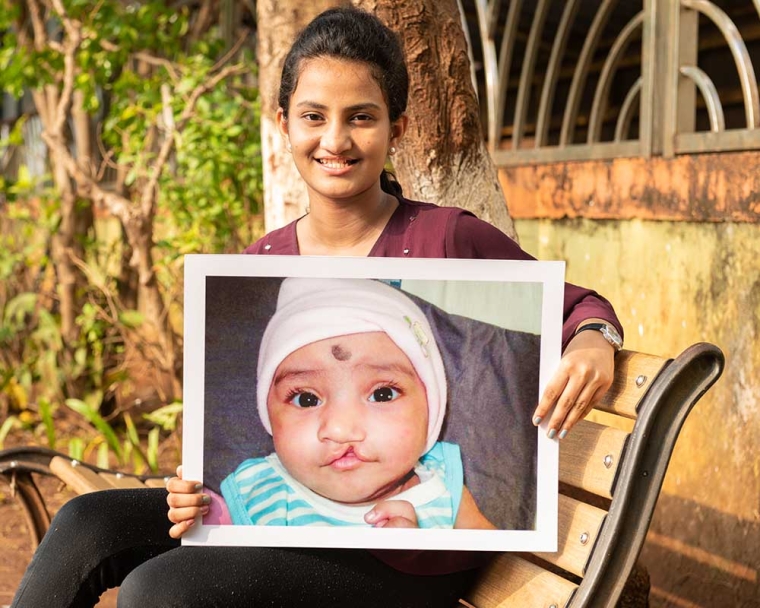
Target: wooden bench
[609, 483]
[611, 471]
[18, 464]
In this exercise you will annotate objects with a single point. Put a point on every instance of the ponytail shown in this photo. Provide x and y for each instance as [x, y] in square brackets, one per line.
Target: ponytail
[389, 184]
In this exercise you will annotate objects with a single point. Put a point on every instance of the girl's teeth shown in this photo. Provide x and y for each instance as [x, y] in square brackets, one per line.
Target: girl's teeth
[335, 164]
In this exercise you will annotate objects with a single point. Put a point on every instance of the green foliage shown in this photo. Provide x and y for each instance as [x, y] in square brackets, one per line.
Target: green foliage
[166, 417]
[90, 413]
[137, 67]
[9, 424]
[217, 186]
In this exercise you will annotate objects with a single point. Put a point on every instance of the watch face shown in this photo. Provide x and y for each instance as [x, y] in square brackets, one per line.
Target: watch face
[613, 337]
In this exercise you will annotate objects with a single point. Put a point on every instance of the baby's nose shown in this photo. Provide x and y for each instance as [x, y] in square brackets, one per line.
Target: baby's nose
[342, 423]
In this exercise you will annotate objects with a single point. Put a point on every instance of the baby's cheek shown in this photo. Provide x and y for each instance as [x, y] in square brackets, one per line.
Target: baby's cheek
[407, 443]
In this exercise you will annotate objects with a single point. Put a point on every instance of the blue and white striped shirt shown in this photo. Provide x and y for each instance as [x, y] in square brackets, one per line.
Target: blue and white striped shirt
[261, 492]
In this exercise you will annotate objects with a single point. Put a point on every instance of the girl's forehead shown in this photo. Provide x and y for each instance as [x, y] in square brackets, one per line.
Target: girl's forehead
[332, 75]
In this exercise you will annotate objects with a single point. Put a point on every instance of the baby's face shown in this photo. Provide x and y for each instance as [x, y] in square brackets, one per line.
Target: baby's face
[349, 417]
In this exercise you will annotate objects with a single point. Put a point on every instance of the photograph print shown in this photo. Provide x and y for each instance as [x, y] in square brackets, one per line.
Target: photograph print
[374, 403]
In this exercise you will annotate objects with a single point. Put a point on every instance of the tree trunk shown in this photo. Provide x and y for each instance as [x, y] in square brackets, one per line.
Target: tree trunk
[279, 21]
[157, 330]
[75, 222]
[443, 158]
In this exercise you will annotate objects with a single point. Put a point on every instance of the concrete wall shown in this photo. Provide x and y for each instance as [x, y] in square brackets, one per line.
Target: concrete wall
[674, 283]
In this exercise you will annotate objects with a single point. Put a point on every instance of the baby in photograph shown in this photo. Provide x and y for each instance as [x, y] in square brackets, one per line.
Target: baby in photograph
[352, 388]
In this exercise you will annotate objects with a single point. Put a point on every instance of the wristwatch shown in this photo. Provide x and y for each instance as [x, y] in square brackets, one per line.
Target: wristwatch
[608, 331]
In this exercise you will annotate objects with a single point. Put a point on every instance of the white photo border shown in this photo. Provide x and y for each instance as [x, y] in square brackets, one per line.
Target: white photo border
[199, 267]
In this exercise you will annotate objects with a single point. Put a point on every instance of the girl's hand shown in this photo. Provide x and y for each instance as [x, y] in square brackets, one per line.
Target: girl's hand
[186, 503]
[583, 377]
[392, 514]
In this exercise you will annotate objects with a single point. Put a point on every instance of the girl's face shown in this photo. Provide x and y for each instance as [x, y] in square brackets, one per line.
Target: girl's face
[339, 129]
[349, 417]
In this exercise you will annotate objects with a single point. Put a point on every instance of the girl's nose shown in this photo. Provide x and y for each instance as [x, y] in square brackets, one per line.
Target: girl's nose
[342, 423]
[336, 138]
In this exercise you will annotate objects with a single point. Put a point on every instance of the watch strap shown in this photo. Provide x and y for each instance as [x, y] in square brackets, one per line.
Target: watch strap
[607, 332]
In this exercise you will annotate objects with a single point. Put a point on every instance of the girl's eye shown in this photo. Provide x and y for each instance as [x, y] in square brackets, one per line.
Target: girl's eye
[305, 399]
[384, 393]
[311, 116]
[362, 117]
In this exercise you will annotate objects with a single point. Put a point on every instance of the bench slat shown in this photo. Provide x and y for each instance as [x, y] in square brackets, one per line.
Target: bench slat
[625, 393]
[80, 479]
[579, 526]
[512, 582]
[589, 457]
[122, 481]
[155, 483]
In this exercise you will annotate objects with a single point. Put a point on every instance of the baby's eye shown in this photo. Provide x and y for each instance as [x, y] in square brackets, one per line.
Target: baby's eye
[305, 399]
[384, 393]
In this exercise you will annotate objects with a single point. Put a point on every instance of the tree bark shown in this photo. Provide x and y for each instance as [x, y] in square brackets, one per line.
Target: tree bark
[443, 158]
[76, 221]
[279, 21]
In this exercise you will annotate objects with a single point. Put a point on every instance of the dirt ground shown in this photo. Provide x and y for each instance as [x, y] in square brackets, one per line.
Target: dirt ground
[15, 544]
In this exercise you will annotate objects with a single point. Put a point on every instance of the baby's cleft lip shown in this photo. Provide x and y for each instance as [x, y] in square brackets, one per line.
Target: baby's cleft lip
[347, 460]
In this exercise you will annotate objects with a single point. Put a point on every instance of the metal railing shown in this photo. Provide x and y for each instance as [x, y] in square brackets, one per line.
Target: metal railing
[596, 79]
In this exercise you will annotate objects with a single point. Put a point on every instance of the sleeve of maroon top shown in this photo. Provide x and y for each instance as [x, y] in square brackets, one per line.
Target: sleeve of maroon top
[469, 237]
[255, 248]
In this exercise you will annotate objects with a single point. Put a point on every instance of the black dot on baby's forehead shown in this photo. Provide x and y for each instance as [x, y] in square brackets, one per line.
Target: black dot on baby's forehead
[340, 353]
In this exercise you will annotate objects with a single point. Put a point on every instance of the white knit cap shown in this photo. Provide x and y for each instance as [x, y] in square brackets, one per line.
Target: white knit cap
[309, 310]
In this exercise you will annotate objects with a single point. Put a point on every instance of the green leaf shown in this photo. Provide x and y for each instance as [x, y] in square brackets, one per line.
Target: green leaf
[166, 416]
[11, 422]
[18, 308]
[132, 435]
[152, 453]
[96, 420]
[94, 400]
[131, 318]
[46, 414]
[76, 448]
[102, 460]
[80, 356]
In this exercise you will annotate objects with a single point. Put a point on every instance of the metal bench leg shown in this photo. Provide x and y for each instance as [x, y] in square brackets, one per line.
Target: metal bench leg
[25, 490]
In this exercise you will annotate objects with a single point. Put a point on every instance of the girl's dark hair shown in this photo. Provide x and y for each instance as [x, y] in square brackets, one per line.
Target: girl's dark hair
[354, 35]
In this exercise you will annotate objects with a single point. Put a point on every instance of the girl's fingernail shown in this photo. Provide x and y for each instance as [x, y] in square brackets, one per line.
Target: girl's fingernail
[563, 433]
[370, 517]
[537, 420]
[204, 510]
[552, 433]
[190, 522]
[198, 487]
[206, 499]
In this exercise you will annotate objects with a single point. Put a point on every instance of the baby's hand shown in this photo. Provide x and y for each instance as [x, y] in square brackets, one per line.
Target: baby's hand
[186, 503]
[392, 514]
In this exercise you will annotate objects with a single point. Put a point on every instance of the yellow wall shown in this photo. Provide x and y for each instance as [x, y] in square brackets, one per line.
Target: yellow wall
[673, 284]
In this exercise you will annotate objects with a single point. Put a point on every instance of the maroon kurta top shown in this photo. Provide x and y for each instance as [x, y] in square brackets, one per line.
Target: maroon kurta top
[424, 230]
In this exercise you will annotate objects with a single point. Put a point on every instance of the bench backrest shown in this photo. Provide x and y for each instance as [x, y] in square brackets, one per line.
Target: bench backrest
[609, 483]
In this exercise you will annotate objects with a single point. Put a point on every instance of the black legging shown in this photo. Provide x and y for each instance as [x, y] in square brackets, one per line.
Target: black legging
[121, 537]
